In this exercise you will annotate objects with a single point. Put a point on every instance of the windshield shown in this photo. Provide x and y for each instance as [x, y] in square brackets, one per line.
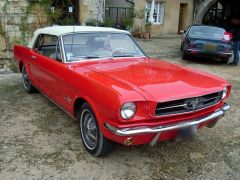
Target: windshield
[207, 32]
[82, 46]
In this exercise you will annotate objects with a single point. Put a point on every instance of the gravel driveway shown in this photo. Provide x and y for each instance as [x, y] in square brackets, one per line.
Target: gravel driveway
[39, 141]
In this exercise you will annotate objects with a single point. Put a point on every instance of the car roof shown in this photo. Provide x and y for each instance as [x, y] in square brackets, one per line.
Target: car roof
[61, 30]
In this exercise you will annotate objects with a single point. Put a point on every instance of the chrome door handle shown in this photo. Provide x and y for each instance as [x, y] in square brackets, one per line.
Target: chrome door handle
[33, 57]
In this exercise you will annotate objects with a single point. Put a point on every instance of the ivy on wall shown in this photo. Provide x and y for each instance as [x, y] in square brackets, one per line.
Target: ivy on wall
[39, 9]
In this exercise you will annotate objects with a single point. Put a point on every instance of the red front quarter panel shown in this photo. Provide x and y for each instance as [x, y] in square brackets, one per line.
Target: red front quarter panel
[104, 94]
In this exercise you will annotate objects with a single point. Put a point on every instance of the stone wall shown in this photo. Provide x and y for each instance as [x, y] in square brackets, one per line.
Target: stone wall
[88, 10]
[15, 30]
[11, 17]
[3, 59]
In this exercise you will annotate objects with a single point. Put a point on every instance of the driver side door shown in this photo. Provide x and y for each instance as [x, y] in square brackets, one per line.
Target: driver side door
[44, 64]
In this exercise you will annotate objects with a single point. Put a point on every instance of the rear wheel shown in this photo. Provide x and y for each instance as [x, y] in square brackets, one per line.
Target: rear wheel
[94, 141]
[28, 87]
[181, 47]
[185, 56]
[225, 60]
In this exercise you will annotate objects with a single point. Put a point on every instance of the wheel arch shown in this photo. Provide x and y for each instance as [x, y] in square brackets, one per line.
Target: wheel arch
[20, 66]
[79, 101]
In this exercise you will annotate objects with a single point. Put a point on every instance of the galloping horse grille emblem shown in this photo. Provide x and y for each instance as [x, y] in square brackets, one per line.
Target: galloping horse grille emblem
[194, 103]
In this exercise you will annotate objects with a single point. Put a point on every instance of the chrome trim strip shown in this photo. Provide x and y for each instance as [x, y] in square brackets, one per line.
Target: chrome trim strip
[54, 102]
[169, 107]
[103, 58]
[211, 99]
[147, 130]
[63, 50]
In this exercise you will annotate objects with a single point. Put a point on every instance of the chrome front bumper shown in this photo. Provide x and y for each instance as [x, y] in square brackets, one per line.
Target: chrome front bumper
[158, 129]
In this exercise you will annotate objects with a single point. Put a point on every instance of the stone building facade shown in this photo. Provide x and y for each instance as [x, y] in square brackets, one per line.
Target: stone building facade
[9, 26]
[10, 14]
[12, 28]
[88, 9]
[16, 24]
[11, 17]
[171, 16]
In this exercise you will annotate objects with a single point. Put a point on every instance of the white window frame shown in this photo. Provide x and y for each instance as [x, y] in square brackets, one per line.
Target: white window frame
[159, 9]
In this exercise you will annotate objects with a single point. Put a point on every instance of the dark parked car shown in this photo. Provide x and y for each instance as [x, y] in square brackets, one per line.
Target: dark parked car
[206, 41]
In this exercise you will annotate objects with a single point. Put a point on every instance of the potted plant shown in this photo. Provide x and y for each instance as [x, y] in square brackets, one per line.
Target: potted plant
[148, 27]
[140, 14]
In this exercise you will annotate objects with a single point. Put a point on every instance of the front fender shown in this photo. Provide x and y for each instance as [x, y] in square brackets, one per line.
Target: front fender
[105, 96]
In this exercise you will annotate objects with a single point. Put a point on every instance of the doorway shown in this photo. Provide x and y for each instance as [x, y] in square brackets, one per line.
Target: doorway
[182, 17]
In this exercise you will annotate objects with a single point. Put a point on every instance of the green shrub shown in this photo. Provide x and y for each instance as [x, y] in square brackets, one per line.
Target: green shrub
[92, 22]
[128, 23]
[108, 22]
[67, 21]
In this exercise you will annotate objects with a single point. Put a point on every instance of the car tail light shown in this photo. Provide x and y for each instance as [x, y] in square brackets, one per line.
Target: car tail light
[227, 37]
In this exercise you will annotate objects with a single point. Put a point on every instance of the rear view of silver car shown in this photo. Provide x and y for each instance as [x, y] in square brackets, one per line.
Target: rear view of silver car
[207, 41]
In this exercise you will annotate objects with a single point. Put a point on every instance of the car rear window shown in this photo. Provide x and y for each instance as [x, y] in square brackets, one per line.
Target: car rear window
[207, 32]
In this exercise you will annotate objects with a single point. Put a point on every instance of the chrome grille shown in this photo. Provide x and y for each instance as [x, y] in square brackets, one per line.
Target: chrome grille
[187, 105]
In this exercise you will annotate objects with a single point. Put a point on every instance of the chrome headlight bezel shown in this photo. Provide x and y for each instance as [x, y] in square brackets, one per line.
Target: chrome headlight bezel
[128, 110]
[225, 92]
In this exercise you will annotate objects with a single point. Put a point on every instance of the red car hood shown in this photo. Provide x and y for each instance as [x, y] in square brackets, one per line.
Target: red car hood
[157, 80]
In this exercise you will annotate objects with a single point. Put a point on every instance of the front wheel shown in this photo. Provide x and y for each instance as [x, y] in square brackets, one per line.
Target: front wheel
[28, 87]
[94, 141]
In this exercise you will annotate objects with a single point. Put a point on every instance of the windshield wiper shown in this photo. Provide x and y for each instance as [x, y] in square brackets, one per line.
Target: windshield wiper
[88, 57]
[124, 55]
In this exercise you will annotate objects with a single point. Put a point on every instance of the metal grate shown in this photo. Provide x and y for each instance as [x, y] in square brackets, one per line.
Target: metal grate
[187, 105]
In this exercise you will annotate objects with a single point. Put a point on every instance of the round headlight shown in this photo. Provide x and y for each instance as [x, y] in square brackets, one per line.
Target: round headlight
[225, 91]
[128, 110]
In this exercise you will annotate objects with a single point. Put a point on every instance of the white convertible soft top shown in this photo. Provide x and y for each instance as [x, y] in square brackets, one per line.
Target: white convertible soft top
[61, 30]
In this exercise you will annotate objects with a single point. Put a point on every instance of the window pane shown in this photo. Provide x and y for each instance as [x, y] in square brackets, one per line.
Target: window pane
[158, 14]
[49, 40]
[207, 32]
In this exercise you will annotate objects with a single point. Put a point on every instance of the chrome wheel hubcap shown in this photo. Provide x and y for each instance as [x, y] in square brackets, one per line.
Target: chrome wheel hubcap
[26, 81]
[89, 129]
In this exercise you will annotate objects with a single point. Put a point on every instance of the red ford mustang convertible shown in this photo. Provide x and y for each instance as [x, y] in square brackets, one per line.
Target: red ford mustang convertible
[101, 77]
